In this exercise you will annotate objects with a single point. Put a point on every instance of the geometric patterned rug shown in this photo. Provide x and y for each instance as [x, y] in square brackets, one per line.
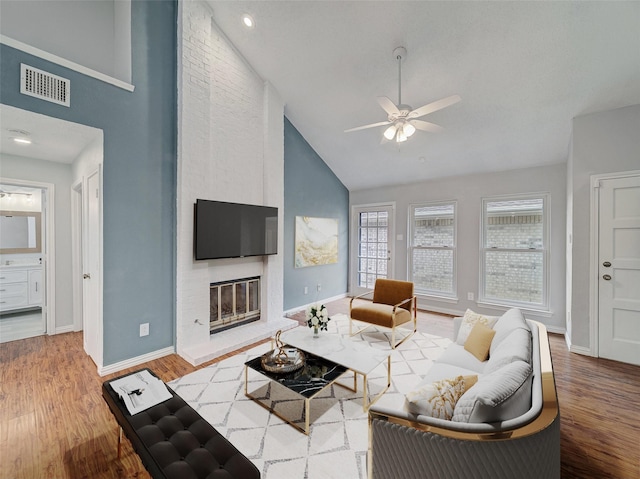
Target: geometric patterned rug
[336, 446]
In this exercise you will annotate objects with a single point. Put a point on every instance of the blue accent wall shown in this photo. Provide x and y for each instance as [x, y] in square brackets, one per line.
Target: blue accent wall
[139, 176]
[312, 189]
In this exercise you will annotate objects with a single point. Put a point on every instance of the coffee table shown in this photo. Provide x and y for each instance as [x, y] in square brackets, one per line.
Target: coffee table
[334, 355]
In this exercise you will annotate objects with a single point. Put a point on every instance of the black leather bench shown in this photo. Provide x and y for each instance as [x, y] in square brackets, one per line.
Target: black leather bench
[175, 442]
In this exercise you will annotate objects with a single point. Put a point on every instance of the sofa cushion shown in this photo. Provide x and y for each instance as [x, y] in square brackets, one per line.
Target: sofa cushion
[479, 341]
[510, 320]
[438, 399]
[497, 396]
[456, 355]
[378, 314]
[445, 370]
[515, 347]
[468, 322]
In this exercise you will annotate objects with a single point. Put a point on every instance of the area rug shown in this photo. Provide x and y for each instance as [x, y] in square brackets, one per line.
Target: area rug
[336, 446]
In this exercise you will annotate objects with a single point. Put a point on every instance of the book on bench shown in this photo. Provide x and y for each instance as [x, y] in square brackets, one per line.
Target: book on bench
[140, 391]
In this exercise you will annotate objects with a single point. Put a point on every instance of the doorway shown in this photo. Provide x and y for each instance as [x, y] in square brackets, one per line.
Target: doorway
[617, 264]
[25, 247]
[372, 233]
[64, 154]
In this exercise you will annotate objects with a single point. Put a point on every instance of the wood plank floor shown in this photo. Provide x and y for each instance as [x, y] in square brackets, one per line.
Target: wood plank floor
[55, 424]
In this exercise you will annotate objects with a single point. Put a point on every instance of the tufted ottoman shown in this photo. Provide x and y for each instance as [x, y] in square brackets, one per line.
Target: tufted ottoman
[174, 441]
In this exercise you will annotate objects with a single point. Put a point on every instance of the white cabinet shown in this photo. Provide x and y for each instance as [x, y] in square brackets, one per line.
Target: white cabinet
[20, 288]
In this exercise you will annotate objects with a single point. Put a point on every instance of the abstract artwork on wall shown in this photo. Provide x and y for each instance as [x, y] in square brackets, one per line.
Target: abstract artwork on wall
[316, 241]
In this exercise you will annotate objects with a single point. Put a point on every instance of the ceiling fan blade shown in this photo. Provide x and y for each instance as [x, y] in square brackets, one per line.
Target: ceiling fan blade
[435, 106]
[388, 106]
[372, 125]
[427, 126]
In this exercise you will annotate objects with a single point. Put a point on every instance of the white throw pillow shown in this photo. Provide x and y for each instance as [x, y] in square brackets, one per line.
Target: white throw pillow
[438, 399]
[469, 321]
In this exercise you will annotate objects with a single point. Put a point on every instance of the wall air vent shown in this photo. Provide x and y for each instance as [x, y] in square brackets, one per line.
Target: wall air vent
[44, 85]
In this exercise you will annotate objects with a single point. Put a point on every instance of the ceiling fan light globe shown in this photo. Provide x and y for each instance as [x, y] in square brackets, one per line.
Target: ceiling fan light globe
[400, 137]
[390, 132]
[408, 129]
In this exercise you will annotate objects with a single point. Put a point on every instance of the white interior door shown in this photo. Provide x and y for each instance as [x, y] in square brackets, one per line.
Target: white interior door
[619, 269]
[91, 270]
[372, 246]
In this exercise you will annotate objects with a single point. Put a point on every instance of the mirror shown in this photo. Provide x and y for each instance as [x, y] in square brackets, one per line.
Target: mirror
[19, 232]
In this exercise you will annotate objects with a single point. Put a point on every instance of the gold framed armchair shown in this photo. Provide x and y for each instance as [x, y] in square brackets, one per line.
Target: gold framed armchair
[393, 304]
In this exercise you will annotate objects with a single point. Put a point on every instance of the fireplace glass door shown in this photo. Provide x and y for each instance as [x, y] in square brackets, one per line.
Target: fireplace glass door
[233, 303]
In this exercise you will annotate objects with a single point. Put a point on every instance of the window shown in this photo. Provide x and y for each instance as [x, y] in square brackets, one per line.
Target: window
[514, 251]
[432, 249]
[373, 246]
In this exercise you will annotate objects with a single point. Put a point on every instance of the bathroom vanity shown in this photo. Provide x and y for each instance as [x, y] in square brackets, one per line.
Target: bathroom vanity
[21, 287]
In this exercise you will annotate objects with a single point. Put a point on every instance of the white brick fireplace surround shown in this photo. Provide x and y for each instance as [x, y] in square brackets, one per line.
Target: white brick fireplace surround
[230, 148]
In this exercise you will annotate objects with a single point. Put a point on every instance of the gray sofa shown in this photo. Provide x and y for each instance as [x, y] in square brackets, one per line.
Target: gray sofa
[507, 425]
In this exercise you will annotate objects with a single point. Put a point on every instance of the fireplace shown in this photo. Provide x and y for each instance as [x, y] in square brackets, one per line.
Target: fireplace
[233, 303]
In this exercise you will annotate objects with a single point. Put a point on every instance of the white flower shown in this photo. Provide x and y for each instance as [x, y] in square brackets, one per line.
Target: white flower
[315, 321]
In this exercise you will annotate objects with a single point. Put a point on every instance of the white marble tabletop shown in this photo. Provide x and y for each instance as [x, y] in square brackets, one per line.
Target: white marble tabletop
[355, 355]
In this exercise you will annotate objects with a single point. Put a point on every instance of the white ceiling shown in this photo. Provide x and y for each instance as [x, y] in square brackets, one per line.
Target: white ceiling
[52, 139]
[524, 70]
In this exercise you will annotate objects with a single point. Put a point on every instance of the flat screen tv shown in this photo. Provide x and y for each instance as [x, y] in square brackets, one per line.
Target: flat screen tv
[234, 230]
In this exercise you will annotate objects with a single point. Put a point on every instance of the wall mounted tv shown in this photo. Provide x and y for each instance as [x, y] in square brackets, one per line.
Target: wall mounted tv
[234, 230]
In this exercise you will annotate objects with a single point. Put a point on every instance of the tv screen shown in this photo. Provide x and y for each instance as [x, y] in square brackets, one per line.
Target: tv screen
[234, 230]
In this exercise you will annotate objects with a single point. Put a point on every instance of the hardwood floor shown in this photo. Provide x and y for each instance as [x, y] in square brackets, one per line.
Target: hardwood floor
[55, 424]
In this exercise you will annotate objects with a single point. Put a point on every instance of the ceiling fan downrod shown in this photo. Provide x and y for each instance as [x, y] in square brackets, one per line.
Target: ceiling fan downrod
[399, 53]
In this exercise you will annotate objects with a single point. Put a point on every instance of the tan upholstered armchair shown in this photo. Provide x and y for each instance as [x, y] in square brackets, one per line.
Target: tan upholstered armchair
[393, 304]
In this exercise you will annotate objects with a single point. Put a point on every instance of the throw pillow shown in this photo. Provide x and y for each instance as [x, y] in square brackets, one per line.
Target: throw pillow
[479, 341]
[439, 399]
[469, 321]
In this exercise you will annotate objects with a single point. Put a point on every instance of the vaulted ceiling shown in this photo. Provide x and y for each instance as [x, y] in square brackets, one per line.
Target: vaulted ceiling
[524, 70]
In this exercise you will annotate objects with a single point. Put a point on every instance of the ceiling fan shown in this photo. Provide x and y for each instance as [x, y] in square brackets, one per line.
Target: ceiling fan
[403, 119]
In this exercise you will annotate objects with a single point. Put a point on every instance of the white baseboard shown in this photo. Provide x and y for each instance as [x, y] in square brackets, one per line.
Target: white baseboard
[129, 363]
[582, 350]
[64, 329]
[556, 330]
[436, 309]
[303, 307]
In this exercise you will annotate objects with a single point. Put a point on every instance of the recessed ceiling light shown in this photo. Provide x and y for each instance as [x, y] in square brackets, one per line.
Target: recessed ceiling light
[247, 20]
[21, 136]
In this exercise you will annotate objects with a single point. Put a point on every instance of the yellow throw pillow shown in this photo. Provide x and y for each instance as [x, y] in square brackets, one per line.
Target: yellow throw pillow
[479, 341]
[439, 399]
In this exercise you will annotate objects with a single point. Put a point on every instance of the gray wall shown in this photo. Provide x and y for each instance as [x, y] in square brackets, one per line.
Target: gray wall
[139, 176]
[312, 189]
[603, 142]
[468, 191]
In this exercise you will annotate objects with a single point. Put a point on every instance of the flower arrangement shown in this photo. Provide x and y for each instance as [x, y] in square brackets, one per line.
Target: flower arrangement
[317, 317]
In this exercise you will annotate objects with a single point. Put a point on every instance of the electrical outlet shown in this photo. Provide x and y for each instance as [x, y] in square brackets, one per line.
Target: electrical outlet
[470, 296]
[319, 287]
[306, 290]
[144, 329]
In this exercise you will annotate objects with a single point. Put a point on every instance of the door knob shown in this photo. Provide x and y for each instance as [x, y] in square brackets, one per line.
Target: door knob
[606, 264]
[86, 276]
[606, 277]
